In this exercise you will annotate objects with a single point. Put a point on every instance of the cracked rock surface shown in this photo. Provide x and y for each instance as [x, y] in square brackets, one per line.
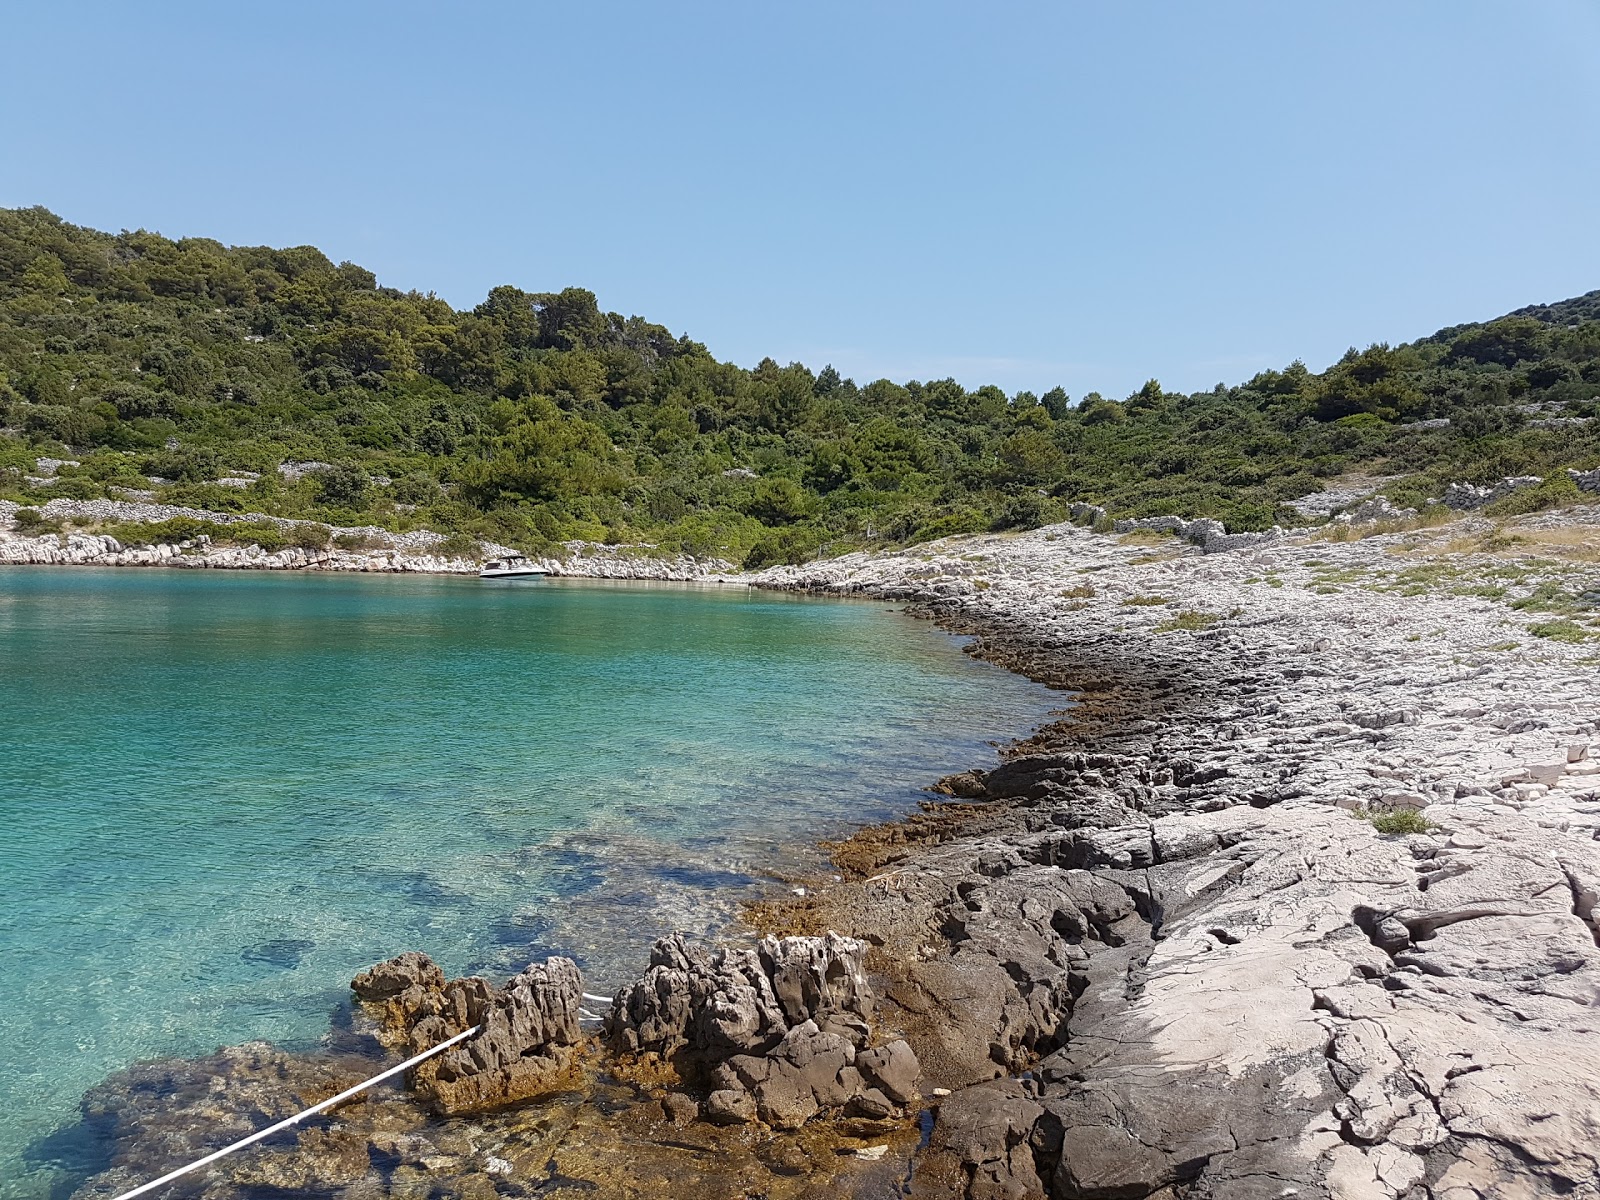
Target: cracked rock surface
[1203, 974]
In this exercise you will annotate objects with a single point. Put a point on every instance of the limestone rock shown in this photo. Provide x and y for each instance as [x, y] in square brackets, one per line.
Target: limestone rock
[527, 1047]
[779, 1032]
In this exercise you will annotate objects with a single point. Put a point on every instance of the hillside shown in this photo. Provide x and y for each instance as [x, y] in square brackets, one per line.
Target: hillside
[165, 367]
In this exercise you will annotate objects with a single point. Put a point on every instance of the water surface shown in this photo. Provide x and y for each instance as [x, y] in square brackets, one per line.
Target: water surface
[225, 793]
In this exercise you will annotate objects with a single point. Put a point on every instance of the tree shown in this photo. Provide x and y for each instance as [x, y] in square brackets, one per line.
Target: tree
[343, 485]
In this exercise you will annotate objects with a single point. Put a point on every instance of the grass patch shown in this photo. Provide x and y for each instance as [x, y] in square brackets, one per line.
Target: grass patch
[1189, 620]
[1499, 539]
[1146, 537]
[1080, 591]
[1401, 820]
[1145, 601]
[1548, 597]
[1561, 631]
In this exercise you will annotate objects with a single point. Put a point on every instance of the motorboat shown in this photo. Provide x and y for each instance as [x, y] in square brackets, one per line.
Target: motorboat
[510, 566]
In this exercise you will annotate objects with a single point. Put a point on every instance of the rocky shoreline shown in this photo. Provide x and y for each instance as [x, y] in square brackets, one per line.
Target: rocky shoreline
[373, 550]
[1164, 948]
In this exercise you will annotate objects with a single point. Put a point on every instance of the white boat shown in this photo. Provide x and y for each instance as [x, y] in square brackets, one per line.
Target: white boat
[510, 566]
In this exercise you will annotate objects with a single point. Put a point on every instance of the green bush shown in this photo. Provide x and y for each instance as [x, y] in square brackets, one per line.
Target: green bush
[783, 546]
[310, 535]
[1401, 820]
[32, 522]
[169, 532]
[1556, 491]
[459, 545]
[360, 541]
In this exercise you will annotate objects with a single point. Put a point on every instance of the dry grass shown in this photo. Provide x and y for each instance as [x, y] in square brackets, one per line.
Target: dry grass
[1578, 543]
[1430, 518]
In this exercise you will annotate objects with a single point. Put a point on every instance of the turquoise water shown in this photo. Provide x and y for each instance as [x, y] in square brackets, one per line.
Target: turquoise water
[225, 793]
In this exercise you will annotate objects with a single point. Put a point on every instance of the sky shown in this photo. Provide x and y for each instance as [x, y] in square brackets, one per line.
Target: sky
[1077, 194]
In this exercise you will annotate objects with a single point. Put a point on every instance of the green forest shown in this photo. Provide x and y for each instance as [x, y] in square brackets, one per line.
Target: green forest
[537, 417]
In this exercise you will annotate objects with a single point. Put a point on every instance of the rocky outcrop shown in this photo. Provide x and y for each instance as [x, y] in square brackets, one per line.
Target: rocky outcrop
[777, 1033]
[381, 550]
[595, 560]
[528, 1045]
[1205, 975]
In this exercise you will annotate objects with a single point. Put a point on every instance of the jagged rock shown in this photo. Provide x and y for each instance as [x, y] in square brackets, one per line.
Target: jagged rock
[528, 1046]
[776, 1030]
[397, 991]
[714, 1004]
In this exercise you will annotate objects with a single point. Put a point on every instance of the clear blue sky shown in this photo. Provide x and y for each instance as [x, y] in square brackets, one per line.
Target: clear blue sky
[1028, 194]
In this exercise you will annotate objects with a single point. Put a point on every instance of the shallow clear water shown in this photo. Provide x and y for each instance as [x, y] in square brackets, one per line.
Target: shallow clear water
[225, 793]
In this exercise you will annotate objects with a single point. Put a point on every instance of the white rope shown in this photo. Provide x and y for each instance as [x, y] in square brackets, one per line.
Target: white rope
[592, 996]
[299, 1116]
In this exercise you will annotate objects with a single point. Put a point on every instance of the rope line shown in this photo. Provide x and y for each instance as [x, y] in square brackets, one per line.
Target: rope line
[299, 1116]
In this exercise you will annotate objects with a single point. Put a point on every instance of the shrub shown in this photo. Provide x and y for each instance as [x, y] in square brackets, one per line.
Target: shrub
[32, 522]
[788, 546]
[417, 488]
[343, 485]
[360, 541]
[310, 535]
[1079, 591]
[1401, 820]
[459, 545]
[169, 532]
[1554, 492]
[1019, 512]
[1145, 601]
[265, 534]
